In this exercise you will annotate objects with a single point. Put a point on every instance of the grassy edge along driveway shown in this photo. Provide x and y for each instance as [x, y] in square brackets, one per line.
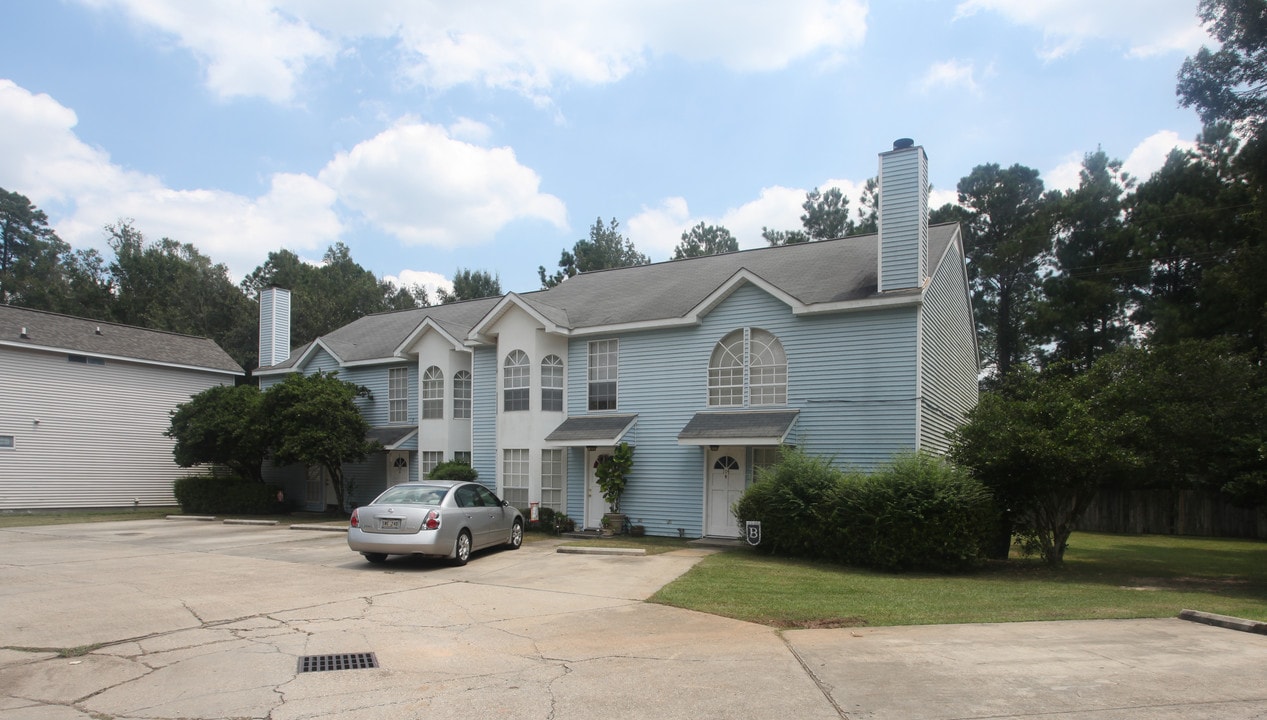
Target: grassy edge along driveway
[1105, 576]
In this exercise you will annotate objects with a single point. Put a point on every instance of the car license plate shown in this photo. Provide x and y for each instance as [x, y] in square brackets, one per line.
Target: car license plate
[389, 523]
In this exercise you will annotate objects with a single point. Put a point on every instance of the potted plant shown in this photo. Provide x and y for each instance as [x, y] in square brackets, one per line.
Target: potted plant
[611, 472]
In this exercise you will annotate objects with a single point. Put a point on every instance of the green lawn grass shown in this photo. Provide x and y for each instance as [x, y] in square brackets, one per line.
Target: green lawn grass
[1105, 576]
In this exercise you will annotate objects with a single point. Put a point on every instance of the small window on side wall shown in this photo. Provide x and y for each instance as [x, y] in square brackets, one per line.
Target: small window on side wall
[6, 442]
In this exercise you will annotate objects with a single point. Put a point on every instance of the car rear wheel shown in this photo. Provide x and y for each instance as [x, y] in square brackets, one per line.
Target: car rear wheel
[516, 535]
[462, 548]
[376, 558]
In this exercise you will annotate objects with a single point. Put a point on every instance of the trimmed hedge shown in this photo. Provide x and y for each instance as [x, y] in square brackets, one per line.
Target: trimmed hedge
[453, 470]
[209, 495]
[917, 513]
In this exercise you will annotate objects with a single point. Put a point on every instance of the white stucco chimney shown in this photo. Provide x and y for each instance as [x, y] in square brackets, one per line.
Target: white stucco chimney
[903, 240]
[274, 325]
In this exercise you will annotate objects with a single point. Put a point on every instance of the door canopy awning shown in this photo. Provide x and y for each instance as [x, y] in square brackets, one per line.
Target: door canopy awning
[746, 427]
[597, 430]
[391, 437]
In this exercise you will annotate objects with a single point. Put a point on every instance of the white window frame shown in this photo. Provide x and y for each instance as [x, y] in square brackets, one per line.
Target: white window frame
[462, 395]
[603, 371]
[748, 368]
[516, 476]
[554, 479]
[552, 383]
[427, 461]
[398, 395]
[433, 393]
[516, 382]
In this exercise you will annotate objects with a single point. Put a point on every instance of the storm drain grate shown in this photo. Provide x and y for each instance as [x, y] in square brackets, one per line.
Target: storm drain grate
[342, 661]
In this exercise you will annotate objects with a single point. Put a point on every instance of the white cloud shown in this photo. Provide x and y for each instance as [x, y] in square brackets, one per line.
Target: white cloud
[656, 231]
[1145, 159]
[43, 159]
[248, 48]
[1148, 157]
[258, 48]
[432, 281]
[1145, 27]
[949, 75]
[425, 187]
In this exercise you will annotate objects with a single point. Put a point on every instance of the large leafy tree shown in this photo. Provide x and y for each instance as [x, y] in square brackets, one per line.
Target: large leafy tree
[705, 240]
[1088, 295]
[826, 217]
[1230, 83]
[605, 248]
[1044, 447]
[313, 420]
[30, 253]
[1199, 414]
[471, 285]
[328, 296]
[169, 285]
[1007, 232]
[223, 425]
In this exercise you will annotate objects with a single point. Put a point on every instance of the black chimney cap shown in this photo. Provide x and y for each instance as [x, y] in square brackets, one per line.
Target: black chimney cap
[903, 143]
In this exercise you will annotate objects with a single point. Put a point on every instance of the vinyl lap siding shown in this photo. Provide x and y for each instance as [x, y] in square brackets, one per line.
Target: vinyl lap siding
[851, 375]
[949, 355]
[376, 407]
[99, 441]
[484, 415]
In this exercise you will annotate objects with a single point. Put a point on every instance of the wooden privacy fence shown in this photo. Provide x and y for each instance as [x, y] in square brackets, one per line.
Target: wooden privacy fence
[1172, 512]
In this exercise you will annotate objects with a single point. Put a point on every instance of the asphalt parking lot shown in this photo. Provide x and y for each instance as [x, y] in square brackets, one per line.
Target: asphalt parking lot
[178, 619]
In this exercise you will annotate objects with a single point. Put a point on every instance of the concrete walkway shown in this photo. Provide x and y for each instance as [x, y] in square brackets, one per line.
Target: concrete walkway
[162, 619]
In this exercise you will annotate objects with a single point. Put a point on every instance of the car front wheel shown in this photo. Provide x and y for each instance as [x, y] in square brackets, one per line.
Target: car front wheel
[462, 548]
[516, 535]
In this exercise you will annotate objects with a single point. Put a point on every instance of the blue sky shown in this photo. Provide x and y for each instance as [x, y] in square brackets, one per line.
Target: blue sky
[431, 135]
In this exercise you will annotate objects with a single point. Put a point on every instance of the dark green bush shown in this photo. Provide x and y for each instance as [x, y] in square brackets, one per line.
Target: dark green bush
[917, 513]
[789, 500]
[209, 495]
[453, 470]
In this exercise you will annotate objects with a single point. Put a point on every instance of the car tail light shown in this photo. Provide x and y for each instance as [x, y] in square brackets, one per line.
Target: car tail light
[432, 522]
[356, 521]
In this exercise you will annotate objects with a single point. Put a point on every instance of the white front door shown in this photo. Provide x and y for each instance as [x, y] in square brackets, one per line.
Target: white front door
[397, 467]
[725, 485]
[595, 507]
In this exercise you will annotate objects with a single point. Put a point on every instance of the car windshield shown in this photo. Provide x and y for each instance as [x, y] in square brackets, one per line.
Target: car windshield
[416, 495]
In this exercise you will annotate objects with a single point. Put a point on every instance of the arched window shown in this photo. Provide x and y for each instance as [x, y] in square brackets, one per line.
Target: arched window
[767, 370]
[516, 377]
[462, 395]
[552, 384]
[725, 371]
[432, 394]
[747, 363]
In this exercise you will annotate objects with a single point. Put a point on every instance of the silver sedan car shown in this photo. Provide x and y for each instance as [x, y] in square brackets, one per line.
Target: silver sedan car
[436, 518]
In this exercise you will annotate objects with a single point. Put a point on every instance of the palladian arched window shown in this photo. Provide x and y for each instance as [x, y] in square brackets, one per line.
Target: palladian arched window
[748, 367]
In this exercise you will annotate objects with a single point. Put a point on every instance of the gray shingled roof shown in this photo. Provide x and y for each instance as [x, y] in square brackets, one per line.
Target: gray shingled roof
[377, 336]
[712, 425]
[817, 272]
[79, 336]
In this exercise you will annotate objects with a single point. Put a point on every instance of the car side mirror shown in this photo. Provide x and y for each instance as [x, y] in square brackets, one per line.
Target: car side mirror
[505, 503]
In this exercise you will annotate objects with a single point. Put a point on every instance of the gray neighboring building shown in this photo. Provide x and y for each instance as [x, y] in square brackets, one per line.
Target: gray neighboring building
[84, 404]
